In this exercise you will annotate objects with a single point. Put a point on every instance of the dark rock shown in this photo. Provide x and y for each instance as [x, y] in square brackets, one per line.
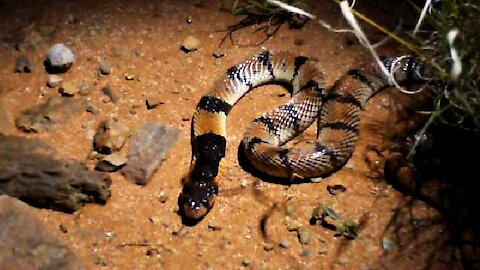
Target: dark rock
[45, 116]
[148, 148]
[28, 172]
[21, 65]
[107, 91]
[25, 243]
[110, 136]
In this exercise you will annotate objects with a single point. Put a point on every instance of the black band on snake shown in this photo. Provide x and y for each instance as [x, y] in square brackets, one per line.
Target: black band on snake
[337, 110]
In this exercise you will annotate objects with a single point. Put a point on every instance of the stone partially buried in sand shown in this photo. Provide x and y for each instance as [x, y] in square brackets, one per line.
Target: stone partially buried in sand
[148, 148]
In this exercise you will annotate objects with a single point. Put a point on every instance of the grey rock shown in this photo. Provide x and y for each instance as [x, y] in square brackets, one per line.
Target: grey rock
[148, 148]
[110, 136]
[59, 58]
[54, 111]
[28, 172]
[22, 65]
[85, 88]
[68, 89]
[25, 243]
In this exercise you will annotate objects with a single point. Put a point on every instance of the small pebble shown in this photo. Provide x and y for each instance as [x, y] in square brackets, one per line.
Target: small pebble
[189, 19]
[191, 43]
[108, 92]
[162, 197]
[268, 246]
[111, 163]
[67, 89]
[284, 244]
[218, 54]
[21, 65]
[54, 81]
[243, 182]
[93, 109]
[85, 87]
[62, 228]
[105, 67]
[304, 236]
[306, 253]
[246, 262]
[185, 118]
[388, 244]
[156, 219]
[214, 225]
[129, 77]
[153, 101]
[153, 252]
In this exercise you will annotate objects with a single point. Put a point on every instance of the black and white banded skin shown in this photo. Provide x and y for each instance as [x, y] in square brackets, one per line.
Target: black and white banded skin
[337, 110]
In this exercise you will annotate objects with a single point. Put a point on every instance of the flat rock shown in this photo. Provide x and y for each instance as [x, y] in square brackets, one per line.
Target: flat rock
[54, 111]
[25, 243]
[148, 148]
[111, 163]
[28, 172]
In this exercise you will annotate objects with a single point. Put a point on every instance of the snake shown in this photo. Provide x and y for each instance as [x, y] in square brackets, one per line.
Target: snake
[336, 109]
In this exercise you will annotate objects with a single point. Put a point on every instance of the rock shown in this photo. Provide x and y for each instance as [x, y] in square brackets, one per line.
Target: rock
[54, 111]
[54, 81]
[59, 58]
[85, 88]
[191, 43]
[21, 65]
[105, 67]
[28, 172]
[304, 236]
[25, 243]
[68, 89]
[284, 244]
[107, 91]
[110, 136]
[388, 244]
[91, 108]
[6, 122]
[148, 148]
[111, 163]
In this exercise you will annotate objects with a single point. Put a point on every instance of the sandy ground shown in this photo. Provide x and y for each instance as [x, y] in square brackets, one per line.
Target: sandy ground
[137, 230]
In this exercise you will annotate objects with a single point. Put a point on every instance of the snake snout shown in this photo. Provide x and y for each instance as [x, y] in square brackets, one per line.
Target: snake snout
[198, 198]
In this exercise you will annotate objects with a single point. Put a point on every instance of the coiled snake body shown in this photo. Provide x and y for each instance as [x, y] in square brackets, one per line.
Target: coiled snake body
[337, 109]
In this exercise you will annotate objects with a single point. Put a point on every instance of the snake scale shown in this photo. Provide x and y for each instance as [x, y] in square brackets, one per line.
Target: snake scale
[337, 110]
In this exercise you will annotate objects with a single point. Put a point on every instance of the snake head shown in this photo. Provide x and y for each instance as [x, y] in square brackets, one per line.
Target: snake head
[197, 198]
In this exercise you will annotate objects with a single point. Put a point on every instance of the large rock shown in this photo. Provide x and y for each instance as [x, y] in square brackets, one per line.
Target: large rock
[25, 243]
[28, 172]
[148, 148]
[54, 111]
